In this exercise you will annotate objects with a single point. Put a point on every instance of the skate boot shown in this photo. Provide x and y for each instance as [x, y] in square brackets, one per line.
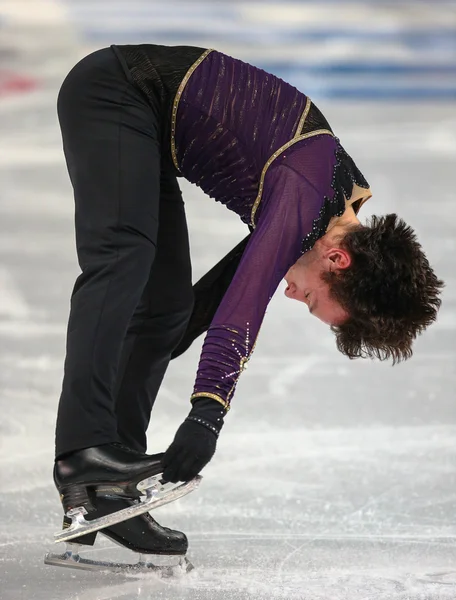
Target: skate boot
[100, 489]
[160, 549]
[141, 534]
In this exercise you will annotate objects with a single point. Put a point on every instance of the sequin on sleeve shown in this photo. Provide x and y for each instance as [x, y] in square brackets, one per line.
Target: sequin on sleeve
[297, 190]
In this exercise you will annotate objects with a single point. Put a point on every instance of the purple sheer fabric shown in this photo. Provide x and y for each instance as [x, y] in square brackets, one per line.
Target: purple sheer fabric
[231, 118]
[237, 136]
[296, 189]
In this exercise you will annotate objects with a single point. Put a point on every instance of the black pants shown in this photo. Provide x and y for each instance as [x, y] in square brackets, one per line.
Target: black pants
[131, 304]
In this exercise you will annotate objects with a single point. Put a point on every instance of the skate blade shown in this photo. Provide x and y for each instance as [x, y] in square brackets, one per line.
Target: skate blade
[71, 559]
[157, 494]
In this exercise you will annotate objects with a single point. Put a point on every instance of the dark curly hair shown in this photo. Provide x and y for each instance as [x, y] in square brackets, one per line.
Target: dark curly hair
[390, 291]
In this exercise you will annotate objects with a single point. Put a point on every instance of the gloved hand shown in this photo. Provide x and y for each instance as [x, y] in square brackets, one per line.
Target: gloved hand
[195, 441]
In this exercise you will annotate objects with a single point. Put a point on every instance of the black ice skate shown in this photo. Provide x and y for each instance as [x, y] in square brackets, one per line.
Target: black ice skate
[142, 534]
[102, 488]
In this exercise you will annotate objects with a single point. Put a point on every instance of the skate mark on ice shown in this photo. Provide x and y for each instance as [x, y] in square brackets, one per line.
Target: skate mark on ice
[373, 501]
[442, 578]
[212, 536]
[279, 384]
[337, 584]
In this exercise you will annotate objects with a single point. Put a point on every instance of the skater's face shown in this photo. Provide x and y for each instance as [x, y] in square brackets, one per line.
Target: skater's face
[306, 284]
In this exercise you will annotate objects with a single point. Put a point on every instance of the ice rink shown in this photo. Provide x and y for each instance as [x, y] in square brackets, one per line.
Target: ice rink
[356, 499]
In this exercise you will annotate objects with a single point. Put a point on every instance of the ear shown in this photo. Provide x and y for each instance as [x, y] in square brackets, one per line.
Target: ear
[338, 258]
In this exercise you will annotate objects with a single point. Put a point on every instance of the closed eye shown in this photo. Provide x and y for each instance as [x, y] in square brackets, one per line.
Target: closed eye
[313, 307]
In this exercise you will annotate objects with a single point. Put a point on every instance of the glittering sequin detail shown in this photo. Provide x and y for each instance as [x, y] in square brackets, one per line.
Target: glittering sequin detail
[176, 104]
[345, 174]
[272, 158]
[231, 118]
[204, 424]
[244, 357]
[222, 370]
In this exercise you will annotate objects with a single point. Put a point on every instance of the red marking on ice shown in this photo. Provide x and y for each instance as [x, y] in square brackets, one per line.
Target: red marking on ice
[13, 83]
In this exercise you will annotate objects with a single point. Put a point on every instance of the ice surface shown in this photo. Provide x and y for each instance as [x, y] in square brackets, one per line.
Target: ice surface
[334, 480]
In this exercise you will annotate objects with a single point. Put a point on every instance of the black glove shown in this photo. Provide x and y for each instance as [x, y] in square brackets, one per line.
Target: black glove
[195, 441]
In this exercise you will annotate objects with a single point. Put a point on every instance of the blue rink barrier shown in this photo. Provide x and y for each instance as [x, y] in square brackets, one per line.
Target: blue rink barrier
[407, 55]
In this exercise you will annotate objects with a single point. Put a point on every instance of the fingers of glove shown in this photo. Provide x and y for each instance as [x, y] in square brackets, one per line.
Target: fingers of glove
[188, 469]
[171, 471]
[170, 454]
[191, 466]
[170, 475]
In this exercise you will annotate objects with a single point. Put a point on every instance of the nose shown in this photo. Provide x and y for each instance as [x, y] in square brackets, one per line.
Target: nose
[292, 292]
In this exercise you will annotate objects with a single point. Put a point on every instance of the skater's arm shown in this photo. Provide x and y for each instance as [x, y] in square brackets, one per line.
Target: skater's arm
[293, 199]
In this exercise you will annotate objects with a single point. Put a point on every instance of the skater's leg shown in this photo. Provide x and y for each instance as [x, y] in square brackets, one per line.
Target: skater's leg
[155, 329]
[159, 321]
[111, 146]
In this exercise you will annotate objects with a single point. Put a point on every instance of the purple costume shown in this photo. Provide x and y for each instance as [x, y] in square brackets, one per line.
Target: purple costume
[263, 149]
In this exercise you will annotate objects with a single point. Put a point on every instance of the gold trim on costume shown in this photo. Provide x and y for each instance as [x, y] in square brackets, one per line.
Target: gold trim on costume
[223, 402]
[303, 118]
[179, 93]
[272, 158]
